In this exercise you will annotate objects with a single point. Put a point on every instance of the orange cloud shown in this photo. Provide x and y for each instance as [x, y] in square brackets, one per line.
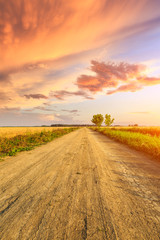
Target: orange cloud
[4, 98]
[34, 30]
[39, 36]
[148, 81]
[130, 87]
[31, 31]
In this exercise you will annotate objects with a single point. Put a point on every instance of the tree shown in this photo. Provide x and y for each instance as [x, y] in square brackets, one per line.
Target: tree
[97, 119]
[108, 120]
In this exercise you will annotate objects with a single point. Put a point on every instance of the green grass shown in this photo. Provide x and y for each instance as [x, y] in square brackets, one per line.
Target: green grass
[153, 131]
[139, 141]
[10, 146]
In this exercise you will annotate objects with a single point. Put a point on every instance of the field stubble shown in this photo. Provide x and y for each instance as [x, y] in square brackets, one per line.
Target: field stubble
[14, 131]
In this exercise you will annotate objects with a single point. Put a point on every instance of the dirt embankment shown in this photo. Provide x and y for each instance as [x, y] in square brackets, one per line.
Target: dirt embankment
[80, 186]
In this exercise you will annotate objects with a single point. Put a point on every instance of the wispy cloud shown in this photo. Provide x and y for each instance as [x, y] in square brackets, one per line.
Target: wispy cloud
[26, 25]
[130, 87]
[70, 111]
[44, 109]
[41, 108]
[62, 94]
[7, 109]
[4, 98]
[148, 81]
[36, 96]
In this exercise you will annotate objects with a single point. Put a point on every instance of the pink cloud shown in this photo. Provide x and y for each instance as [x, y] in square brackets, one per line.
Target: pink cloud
[112, 76]
[131, 87]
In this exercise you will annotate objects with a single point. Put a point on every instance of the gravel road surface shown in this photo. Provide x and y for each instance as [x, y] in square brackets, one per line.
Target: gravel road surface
[80, 186]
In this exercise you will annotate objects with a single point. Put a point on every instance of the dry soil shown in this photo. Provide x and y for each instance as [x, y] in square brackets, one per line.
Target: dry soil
[80, 186]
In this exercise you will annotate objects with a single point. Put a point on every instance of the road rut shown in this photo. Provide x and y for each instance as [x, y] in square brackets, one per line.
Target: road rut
[80, 186]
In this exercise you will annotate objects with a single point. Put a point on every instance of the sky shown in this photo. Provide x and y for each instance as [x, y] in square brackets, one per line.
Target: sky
[62, 61]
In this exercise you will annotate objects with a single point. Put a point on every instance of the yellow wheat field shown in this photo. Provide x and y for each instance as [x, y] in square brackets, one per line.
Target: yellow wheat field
[13, 131]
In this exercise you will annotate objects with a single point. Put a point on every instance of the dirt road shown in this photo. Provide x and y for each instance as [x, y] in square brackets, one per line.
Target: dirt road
[80, 186]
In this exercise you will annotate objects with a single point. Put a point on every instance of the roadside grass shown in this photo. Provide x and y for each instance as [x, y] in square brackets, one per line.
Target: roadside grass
[153, 131]
[25, 142]
[139, 141]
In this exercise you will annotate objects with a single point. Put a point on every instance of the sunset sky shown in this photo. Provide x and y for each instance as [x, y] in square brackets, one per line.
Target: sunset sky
[61, 61]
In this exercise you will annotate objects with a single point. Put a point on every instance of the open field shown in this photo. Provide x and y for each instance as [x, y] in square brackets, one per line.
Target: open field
[153, 131]
[82, 186]
[144, 139]
[17, 140]
[14, 131]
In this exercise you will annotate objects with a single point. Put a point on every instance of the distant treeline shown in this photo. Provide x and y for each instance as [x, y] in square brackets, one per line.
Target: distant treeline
[71, 125]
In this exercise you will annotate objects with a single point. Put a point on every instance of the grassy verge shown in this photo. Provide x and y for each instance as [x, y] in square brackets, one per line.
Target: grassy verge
[153, 131]
[10, 146]
[141, 142]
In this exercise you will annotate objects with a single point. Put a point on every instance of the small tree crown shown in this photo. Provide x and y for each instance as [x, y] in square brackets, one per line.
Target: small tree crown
[97, 119]
[108, 120]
